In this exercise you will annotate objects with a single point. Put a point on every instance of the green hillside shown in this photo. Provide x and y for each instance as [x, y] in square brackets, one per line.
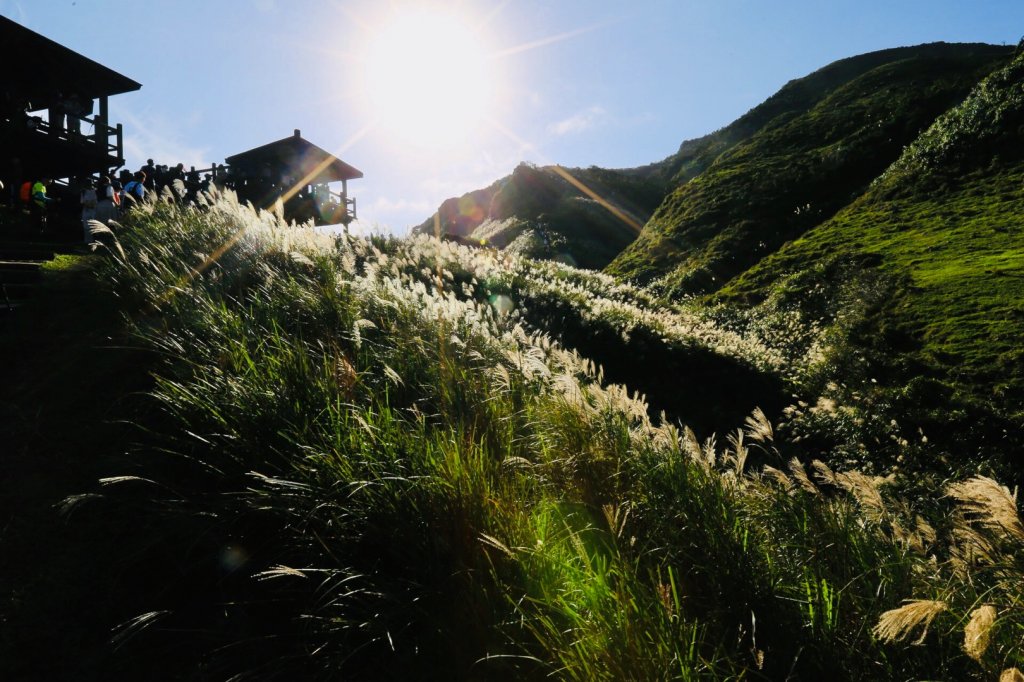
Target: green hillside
[580, 216]
[810, 157]
[942, 227]
[244, 449]
[795, 98]
[392, 459]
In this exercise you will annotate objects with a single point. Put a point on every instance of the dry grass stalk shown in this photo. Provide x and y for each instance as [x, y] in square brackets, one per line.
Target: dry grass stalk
[344, 374]
[781, 478]
[738, 455]
[758, 428]
[616, 516]
[986, 502]
[865, 489]
[823, 473]
[978, 631]
[516, 463]
[919, 537]
[691, 444]
[800, 476]
[925, 533]
[970, 547]
[494, 542]
[280, 571]
[896, 624]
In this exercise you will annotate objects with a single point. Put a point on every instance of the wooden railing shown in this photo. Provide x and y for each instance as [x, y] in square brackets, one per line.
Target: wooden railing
[219, 172]
[348, 202]
[109, 140]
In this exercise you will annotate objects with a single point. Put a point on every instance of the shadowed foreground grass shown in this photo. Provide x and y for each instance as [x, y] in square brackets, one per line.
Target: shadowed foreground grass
[67, 379]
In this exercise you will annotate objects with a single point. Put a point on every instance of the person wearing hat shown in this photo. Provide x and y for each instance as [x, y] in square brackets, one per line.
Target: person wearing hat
[88, 199]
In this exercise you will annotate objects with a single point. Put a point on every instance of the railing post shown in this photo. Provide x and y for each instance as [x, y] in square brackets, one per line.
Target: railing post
[101, 124]
[120, 141]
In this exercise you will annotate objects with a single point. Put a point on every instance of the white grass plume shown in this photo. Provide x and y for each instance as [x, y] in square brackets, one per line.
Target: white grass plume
[796, 468]
[280, 571]
[865, 489]
[896, 625]
[758, 428]
[979, 630]
[988, 504]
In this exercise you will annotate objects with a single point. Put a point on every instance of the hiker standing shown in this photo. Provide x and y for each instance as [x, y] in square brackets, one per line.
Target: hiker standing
[88, 199]
[106, 201]
[150, 170]
[135, 189]
[40, 202]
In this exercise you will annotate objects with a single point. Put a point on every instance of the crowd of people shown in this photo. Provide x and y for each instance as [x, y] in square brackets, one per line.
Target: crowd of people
[53, 205]
[106, 197]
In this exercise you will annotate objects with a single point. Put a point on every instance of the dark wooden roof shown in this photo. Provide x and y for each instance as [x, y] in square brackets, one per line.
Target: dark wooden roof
[297, 157]
[35, 68]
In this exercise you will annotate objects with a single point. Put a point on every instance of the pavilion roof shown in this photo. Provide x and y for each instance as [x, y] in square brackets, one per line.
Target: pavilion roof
[37, 68]
[298, 158]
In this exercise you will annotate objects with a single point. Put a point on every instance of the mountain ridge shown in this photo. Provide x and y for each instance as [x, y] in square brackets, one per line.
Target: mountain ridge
[547, 217]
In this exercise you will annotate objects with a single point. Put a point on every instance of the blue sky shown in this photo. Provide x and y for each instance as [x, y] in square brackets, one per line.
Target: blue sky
[575, 82]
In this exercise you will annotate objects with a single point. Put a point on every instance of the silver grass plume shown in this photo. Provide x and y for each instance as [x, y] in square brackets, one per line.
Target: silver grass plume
[896, 624]
[984, 502]
[796, 468]
[979, 630]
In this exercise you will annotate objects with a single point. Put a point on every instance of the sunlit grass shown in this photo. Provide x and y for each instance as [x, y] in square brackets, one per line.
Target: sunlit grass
[363, 467]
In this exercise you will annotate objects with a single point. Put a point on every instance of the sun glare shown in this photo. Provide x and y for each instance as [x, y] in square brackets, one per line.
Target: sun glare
[426, 78]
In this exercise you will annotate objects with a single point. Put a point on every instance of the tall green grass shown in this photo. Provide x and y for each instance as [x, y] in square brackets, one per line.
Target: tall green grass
[370, 461]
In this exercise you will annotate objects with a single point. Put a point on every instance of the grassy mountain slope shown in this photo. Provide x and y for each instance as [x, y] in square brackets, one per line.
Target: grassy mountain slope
[800, 168]
[942, 226]
[553, 213]
[384, 459]
[725, 200]
[796, 97]
[372, 460]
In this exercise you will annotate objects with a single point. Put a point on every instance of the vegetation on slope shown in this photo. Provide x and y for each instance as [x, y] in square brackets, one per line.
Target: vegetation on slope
[802, 166]
[580, 216]
[66, 390]
[366, 461]
[795, 98]
[941, 228]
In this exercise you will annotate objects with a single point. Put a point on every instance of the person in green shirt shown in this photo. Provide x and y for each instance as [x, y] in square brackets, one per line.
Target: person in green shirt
[41, 202]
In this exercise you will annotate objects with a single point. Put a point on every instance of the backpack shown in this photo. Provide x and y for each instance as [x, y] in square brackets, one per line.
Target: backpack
[25, 192]
[136, 189]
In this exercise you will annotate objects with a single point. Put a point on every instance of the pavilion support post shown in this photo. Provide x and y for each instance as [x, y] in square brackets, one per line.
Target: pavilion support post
[103, 126]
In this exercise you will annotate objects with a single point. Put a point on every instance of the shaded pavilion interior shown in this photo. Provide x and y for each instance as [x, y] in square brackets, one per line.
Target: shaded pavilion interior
[40, 75]
[299, 174]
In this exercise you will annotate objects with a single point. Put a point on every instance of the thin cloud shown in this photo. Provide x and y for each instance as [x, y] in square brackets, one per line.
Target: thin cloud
[549, 40]
[387, 205]
[154, 137]
[589, 119]
[17, 9]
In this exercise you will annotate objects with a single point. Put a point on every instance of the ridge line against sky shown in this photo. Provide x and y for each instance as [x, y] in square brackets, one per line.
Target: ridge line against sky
[574, 82]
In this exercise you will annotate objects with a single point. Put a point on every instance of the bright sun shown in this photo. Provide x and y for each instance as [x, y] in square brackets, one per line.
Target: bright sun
[427, 80]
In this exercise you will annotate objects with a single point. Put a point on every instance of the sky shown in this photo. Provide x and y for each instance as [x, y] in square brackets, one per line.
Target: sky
[432, 99]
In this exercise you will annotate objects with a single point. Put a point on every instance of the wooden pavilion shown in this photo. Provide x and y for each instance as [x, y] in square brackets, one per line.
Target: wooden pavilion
[42, 75]
[298, 173]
